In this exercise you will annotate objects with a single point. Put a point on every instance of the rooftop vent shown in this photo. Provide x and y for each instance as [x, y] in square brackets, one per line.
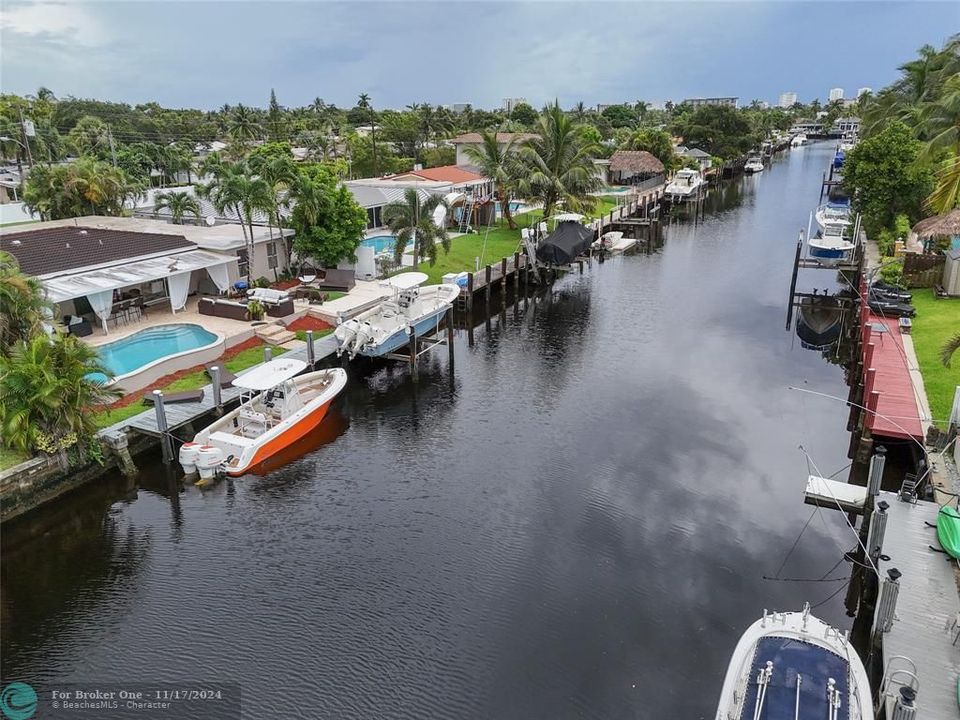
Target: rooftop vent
[68, 245]
[15, 242]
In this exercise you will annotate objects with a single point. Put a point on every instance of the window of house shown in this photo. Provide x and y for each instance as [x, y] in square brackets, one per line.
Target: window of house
[243, 263]
[371, 218]
[272, 255]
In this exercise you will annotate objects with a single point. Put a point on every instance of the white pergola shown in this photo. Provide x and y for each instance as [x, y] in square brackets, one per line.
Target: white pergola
[97, 284]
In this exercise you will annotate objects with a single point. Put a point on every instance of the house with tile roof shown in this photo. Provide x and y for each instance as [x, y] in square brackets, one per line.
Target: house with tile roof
[461, 142]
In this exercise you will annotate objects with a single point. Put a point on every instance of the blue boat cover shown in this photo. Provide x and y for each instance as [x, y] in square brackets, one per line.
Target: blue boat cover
[790, 657]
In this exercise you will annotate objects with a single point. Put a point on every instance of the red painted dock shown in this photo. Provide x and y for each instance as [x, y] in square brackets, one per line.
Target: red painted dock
[888, 390]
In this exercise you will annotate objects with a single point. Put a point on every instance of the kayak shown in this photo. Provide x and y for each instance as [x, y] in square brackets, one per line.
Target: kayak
[948, 530]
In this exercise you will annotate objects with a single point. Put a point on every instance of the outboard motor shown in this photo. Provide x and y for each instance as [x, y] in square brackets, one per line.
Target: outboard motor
[188, 457]
[361, 338]
[209, 459]
[345, 335]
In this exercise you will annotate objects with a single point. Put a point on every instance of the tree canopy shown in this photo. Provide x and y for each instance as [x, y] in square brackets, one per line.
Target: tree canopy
[329, 223]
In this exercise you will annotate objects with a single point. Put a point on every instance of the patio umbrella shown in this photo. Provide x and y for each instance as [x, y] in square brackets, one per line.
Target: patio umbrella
[939, 226]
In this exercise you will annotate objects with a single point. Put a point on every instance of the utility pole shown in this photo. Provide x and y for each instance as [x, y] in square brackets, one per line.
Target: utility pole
[26, 140]
[113, 152]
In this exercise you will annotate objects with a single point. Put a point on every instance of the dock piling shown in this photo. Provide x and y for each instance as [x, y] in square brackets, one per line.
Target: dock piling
[311, 357]
[413, 353]
[165, 445]
[215, 384]
[267, 354]
[887, 607]
[488, 274]
[449, 322]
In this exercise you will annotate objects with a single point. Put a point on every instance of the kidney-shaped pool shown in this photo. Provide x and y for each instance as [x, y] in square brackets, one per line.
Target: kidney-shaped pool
[148, 347]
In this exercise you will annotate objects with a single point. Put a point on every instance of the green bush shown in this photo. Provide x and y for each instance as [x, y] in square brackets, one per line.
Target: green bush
[255, 308]
[261, 282]
[892, 272]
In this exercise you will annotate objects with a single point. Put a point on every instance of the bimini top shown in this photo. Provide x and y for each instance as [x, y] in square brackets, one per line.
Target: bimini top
[568, 217]
[270, 374]
[407, 280]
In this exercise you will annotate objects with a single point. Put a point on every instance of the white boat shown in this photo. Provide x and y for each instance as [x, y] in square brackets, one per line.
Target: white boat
[832, 213]
[613, 242]
[686, 184]
[794, 665]
[278, 407]
[754, 165]
[388, 326]
[832, 244]
[798, 140]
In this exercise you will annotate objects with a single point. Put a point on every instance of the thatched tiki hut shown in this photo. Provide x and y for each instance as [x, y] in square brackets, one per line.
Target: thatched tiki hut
[947, 226]
[632, 167]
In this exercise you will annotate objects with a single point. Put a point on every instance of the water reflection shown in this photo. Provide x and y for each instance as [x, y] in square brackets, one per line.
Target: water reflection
[575, 521]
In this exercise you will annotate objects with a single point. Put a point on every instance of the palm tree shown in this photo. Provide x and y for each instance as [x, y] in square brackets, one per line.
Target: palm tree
[225, 190]
[948, 349]
[244, 125]
[364, 102]
[280, 173]
[940, 123]
[179, 203]
[557, 165]
[46, 393]
[23, 304]
[411, 219]
[580, 111]
[497, 162]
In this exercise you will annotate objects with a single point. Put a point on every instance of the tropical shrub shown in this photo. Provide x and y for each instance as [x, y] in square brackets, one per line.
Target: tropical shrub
[23, 304]
[47, 393]
[255, 308]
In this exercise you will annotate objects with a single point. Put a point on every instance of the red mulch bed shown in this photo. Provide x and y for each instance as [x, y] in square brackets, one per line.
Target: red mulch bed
[309, 323]
[285, 284]
[167, 379]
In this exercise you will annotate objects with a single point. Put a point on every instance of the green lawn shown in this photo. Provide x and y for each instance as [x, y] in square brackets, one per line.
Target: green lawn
[240, 361]
[936, 321]
[317, 334]
[491, 245]
[9, 458]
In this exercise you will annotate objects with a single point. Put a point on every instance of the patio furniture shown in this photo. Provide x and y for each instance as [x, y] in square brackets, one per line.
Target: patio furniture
[176, 397]
[77, 326]
[333, 279]
[268, 296]
[226, 377]
[223, 308]
[281, 309]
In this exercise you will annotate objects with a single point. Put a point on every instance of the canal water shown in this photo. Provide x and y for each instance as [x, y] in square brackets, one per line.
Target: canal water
[577, 522]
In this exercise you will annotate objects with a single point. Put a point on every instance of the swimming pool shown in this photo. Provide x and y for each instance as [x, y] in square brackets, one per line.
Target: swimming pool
[609, 190]
[380, 243]
[151, 346]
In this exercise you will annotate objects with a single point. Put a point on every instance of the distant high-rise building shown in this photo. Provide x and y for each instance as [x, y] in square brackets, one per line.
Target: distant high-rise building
[699, 102]
[864, 91]
[510, 103]
[459, 107]
[836, 94]
[787, 99]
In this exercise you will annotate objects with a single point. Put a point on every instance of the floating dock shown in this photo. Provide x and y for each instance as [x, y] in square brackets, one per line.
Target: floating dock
[835, 495]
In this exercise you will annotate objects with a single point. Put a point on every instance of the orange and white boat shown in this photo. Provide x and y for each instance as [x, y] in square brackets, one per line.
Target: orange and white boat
[278, 407]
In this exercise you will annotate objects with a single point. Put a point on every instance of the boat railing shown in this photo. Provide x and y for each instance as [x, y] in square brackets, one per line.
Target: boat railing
[900, 671]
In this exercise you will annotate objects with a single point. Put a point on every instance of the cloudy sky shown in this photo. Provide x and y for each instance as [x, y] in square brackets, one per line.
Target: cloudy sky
[204, 54]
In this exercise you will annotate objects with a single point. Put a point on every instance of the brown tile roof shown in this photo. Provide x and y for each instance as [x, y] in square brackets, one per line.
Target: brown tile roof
[57, 249]
[475, 138]
[635, 161]
[448, 173]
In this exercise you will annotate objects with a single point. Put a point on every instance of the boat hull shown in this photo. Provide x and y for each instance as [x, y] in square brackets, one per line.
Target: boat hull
[423, 326]
[240, 453]
[795, 644]
[290, 435]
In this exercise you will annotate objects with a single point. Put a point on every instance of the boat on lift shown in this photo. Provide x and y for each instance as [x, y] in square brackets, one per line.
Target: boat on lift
[279, 406]
[832, 244]
[754, 165]
[388, 326]
[685, 185]
[832, 212]
[798, 140]
[794, 665]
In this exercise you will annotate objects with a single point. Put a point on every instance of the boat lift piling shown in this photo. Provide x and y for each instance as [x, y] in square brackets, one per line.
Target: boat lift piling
[215, 387]
[166, 446]
[311, 355]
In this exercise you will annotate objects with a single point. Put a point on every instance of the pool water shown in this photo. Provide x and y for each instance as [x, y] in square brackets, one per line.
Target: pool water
[146, 346]
[609, 190]
[379, 243]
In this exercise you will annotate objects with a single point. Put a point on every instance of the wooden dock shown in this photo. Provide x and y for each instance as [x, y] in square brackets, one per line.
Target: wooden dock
[641, 211]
